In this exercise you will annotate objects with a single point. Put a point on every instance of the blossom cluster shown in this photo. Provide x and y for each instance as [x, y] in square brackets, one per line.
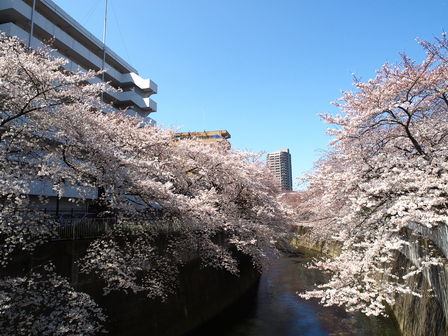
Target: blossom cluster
[387, 165]
[55, 129]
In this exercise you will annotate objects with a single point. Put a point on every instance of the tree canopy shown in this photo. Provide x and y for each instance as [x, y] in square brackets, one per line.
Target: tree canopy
[54, 128]
[386, 166]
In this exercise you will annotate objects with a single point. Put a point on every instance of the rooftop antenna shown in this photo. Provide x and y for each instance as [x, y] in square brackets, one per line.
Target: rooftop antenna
[104, 49]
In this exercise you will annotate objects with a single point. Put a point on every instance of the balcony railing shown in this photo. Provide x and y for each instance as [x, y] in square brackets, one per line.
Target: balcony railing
[72, 229]
[84, 228]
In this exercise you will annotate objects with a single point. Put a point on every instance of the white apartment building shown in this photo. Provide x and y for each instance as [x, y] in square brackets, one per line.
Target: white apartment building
[44, 20]
[83, 50]
[280, 163]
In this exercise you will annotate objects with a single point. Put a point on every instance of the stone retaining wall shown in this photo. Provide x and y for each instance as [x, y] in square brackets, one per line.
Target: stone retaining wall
[425, 316]
[202, 293]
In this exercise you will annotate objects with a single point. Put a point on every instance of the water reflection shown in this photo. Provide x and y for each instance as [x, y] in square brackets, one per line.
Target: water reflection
[276, 310]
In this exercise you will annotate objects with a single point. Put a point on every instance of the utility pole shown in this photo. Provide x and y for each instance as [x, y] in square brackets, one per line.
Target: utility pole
[104, 48]
[32, 23]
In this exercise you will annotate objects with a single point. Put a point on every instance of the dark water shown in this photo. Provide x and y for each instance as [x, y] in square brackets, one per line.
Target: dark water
[276, 310]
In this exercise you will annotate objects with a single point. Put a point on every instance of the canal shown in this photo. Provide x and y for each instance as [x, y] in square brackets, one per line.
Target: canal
[274, 308]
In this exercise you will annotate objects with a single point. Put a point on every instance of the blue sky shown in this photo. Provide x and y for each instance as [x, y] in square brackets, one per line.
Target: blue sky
[261, 69]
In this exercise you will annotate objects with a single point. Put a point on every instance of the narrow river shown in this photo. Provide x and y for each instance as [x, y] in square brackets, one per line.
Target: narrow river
[276, 310]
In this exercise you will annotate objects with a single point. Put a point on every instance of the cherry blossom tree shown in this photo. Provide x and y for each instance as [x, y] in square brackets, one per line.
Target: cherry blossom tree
[37, 97]
[208, 191]
[209, 198]
[46, 304]
[386, 166]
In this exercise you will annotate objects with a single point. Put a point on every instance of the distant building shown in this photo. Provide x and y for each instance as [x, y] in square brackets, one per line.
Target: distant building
[206, 136]
[280, 164]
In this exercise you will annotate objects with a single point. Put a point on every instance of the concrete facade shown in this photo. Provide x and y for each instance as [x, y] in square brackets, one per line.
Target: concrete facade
[201, 292]
[280, 164]
[81, 48]
[47, 21]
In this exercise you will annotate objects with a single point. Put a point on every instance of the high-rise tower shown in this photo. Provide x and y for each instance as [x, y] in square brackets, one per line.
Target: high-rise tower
[280, 163]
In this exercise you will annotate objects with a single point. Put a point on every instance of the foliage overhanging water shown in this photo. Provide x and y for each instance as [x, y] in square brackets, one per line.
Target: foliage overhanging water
[276, 309]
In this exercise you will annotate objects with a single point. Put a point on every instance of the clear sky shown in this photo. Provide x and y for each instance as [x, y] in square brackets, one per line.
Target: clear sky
[261, 70]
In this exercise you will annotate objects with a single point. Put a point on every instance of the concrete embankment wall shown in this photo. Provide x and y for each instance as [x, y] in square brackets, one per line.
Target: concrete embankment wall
[326, 247]
[202, 292]
[417, 316]
[426, 315]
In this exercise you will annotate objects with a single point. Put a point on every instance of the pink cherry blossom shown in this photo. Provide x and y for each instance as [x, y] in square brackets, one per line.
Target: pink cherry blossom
[211, 198]
[386, 166]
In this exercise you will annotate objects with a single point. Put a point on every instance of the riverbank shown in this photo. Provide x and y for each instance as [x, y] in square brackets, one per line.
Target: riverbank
[201, 294]
[276, 309]
[416, 316]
